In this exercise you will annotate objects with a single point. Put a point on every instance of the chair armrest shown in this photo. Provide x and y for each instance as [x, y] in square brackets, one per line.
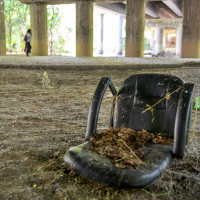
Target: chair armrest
[96, 103]
[181, 123]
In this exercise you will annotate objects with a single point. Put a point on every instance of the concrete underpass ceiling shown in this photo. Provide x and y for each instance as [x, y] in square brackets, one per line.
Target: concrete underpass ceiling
[74, 1]
[164, 9]
[154, 9]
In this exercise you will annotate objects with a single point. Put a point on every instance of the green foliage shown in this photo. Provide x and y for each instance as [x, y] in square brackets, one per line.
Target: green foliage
[55, 39]
[197, 103]
[17, 20]
[124, 42]
[58, 45]
[56, 42]
[145, 43]
[69, 30]
[124, 39]
[53, 18]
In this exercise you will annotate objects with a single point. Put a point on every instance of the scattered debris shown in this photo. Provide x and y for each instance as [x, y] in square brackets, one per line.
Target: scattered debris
[164, 54]
[46, 80]
[126, 146]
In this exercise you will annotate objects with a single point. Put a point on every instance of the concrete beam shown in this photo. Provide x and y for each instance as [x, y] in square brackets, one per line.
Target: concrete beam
[152, 10]
[53, 2]
[160, 10]
[165, 11]
[173, 22]
[175, 6]
[117, 8]
[148, 17]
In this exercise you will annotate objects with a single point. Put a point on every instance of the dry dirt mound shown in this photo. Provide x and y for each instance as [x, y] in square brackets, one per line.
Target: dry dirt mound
[125, 146]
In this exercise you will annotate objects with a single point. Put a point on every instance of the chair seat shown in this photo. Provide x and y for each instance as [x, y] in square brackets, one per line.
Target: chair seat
[157, 158]
[158, 103]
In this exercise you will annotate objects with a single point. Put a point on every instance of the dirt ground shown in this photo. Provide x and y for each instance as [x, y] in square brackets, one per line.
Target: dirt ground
[38, 125]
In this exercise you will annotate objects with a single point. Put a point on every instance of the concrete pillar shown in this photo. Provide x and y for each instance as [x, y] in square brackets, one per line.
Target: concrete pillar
[2, 30]
[135, 25]
[159, 39]
[152, 39]
[84, 28]
[100, 32]
[191, 29]
[119, 47]
[165, 37]
[38, 15]
[178, 40]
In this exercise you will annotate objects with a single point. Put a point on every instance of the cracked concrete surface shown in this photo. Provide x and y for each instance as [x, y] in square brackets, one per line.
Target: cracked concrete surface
[86, 63]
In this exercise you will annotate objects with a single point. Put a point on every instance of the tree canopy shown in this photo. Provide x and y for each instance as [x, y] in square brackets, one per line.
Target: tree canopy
[17, 17]
[17, 21]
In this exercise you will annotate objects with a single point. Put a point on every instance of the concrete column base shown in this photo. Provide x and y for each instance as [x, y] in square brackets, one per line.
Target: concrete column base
[159, 39]
[119, 48]
[100, 32]
[152, 39]
[178, 40]
[165, 36]
[191, 29]
[84, 28]
[38, 14]
[135, 25]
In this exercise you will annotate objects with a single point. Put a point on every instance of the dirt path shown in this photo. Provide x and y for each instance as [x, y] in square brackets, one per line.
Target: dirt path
[38, 125]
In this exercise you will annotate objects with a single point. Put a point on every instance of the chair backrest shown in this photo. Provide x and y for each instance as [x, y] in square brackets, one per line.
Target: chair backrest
[141, 91]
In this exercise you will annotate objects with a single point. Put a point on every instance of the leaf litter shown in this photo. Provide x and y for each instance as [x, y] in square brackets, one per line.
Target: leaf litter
[124, 146]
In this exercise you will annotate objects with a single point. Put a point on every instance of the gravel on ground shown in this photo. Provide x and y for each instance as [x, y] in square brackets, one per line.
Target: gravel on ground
[38, 125]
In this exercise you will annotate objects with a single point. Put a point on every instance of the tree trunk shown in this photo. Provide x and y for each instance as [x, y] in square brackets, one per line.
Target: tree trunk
[12, 7]
[10, 28]
[51, 32]
[23, 27]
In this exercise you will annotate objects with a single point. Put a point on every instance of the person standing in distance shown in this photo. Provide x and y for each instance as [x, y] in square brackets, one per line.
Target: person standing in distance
[28, 42]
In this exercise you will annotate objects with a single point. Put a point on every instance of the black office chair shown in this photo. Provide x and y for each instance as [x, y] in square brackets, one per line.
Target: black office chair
[171, 101]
